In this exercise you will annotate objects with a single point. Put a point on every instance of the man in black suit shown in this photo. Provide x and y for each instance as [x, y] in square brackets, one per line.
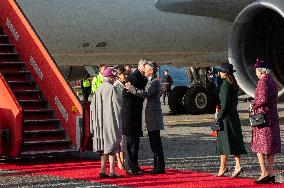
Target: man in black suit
[153, 114]
[132, 118]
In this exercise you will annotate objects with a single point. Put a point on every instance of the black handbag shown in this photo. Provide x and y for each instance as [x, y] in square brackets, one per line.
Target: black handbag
[217, 125]
[257, 120]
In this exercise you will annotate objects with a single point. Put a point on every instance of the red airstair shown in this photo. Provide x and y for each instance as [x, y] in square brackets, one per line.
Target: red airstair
[39, 112]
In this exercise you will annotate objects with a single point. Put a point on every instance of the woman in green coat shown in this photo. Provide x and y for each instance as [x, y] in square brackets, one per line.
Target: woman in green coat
[230, 137]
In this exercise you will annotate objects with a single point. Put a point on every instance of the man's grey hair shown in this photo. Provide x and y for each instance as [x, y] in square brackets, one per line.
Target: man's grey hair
[153, 65]
[143, 61]
[264, 70]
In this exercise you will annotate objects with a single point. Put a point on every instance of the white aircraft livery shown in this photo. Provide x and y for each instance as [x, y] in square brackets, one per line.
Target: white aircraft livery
[177, 32]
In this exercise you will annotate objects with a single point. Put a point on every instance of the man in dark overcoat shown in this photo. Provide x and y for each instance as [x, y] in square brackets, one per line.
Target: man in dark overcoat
[132, 121]
[153, 114]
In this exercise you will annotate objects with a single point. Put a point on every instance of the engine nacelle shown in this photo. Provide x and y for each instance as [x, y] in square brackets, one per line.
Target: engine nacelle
[258, 31]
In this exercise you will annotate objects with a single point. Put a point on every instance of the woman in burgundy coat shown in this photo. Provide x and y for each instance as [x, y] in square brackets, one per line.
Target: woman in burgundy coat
[266, 140]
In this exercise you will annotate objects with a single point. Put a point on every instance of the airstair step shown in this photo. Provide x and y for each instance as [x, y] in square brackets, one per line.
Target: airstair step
[45, 142]
[40, 127]
[41, 114]
[31, 101]
[33, 104]
[6, 48]
[30, 82]
[9, 57]
[23, 76]
[4, 39]
[16, 73]
[39, 111]
[21, 85]
[41, 121]
[48, 152]
[9, 63]
[44, 131]
[25, 95]
[11, 66]
[43, 135]
[27, 91]
[46, 145]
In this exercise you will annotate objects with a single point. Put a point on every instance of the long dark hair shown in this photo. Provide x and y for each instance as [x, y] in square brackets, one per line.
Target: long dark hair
[232, 80]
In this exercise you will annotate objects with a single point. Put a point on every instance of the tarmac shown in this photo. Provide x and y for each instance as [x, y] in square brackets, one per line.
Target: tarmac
[187, 146]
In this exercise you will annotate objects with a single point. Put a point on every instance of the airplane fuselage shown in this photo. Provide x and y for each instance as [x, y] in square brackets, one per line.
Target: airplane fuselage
[92, 32]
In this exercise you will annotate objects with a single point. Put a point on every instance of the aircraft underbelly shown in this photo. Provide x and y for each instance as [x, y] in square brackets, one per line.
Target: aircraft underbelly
[84, 32]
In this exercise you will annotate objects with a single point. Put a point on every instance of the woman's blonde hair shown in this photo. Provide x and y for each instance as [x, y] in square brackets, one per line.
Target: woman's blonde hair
[263, 70]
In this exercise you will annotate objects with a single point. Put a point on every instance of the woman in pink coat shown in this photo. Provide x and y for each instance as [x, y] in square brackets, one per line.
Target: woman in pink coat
[266, 140]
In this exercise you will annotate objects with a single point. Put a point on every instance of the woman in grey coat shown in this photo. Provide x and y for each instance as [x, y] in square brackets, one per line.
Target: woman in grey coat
[153, 114]
[122, 74]
[105, 122]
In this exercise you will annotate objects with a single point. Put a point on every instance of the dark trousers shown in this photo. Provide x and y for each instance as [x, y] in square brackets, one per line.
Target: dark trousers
[165, 94]
[86, 92]
[157, 149]
[86, 96]
[131, 153]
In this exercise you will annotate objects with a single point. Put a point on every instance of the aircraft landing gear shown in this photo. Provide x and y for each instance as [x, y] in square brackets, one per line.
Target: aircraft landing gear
[176, 100]
[199, 98]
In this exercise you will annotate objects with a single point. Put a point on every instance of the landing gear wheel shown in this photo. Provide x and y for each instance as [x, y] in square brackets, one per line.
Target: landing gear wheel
[176, 100]
[198, 100]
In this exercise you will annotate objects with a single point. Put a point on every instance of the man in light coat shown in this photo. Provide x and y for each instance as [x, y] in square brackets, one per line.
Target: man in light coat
[153, 114]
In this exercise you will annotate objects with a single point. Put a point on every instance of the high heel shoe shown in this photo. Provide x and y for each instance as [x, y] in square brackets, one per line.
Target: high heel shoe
[263, 180]
[235, 175]
[221, 175]
[120, 165]
[272, 179]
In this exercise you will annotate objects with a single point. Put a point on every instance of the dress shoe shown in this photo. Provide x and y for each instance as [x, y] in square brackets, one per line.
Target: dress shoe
[131, 172]
[272, 179]
[235, 175]
[158, 171]
[264, 180]
[141, 171]
[114, 175]
[221, 175]
[103, 175]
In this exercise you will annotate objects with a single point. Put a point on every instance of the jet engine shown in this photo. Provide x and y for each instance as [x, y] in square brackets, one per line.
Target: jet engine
[258, 31]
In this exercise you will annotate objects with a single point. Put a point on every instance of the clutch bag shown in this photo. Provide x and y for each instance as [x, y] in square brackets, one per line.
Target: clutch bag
[217, 125]
[257, 120]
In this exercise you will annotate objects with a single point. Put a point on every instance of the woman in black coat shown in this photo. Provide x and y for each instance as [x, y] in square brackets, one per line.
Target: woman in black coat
[230, 137]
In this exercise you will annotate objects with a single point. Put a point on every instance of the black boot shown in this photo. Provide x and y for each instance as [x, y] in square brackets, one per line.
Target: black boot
[155, 161]
[160, 166]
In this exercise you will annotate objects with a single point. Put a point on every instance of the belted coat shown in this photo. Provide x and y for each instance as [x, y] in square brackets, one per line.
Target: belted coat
[230, 137]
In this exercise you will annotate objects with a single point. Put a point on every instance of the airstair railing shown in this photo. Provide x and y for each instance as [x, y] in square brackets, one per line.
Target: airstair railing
[11, 120]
